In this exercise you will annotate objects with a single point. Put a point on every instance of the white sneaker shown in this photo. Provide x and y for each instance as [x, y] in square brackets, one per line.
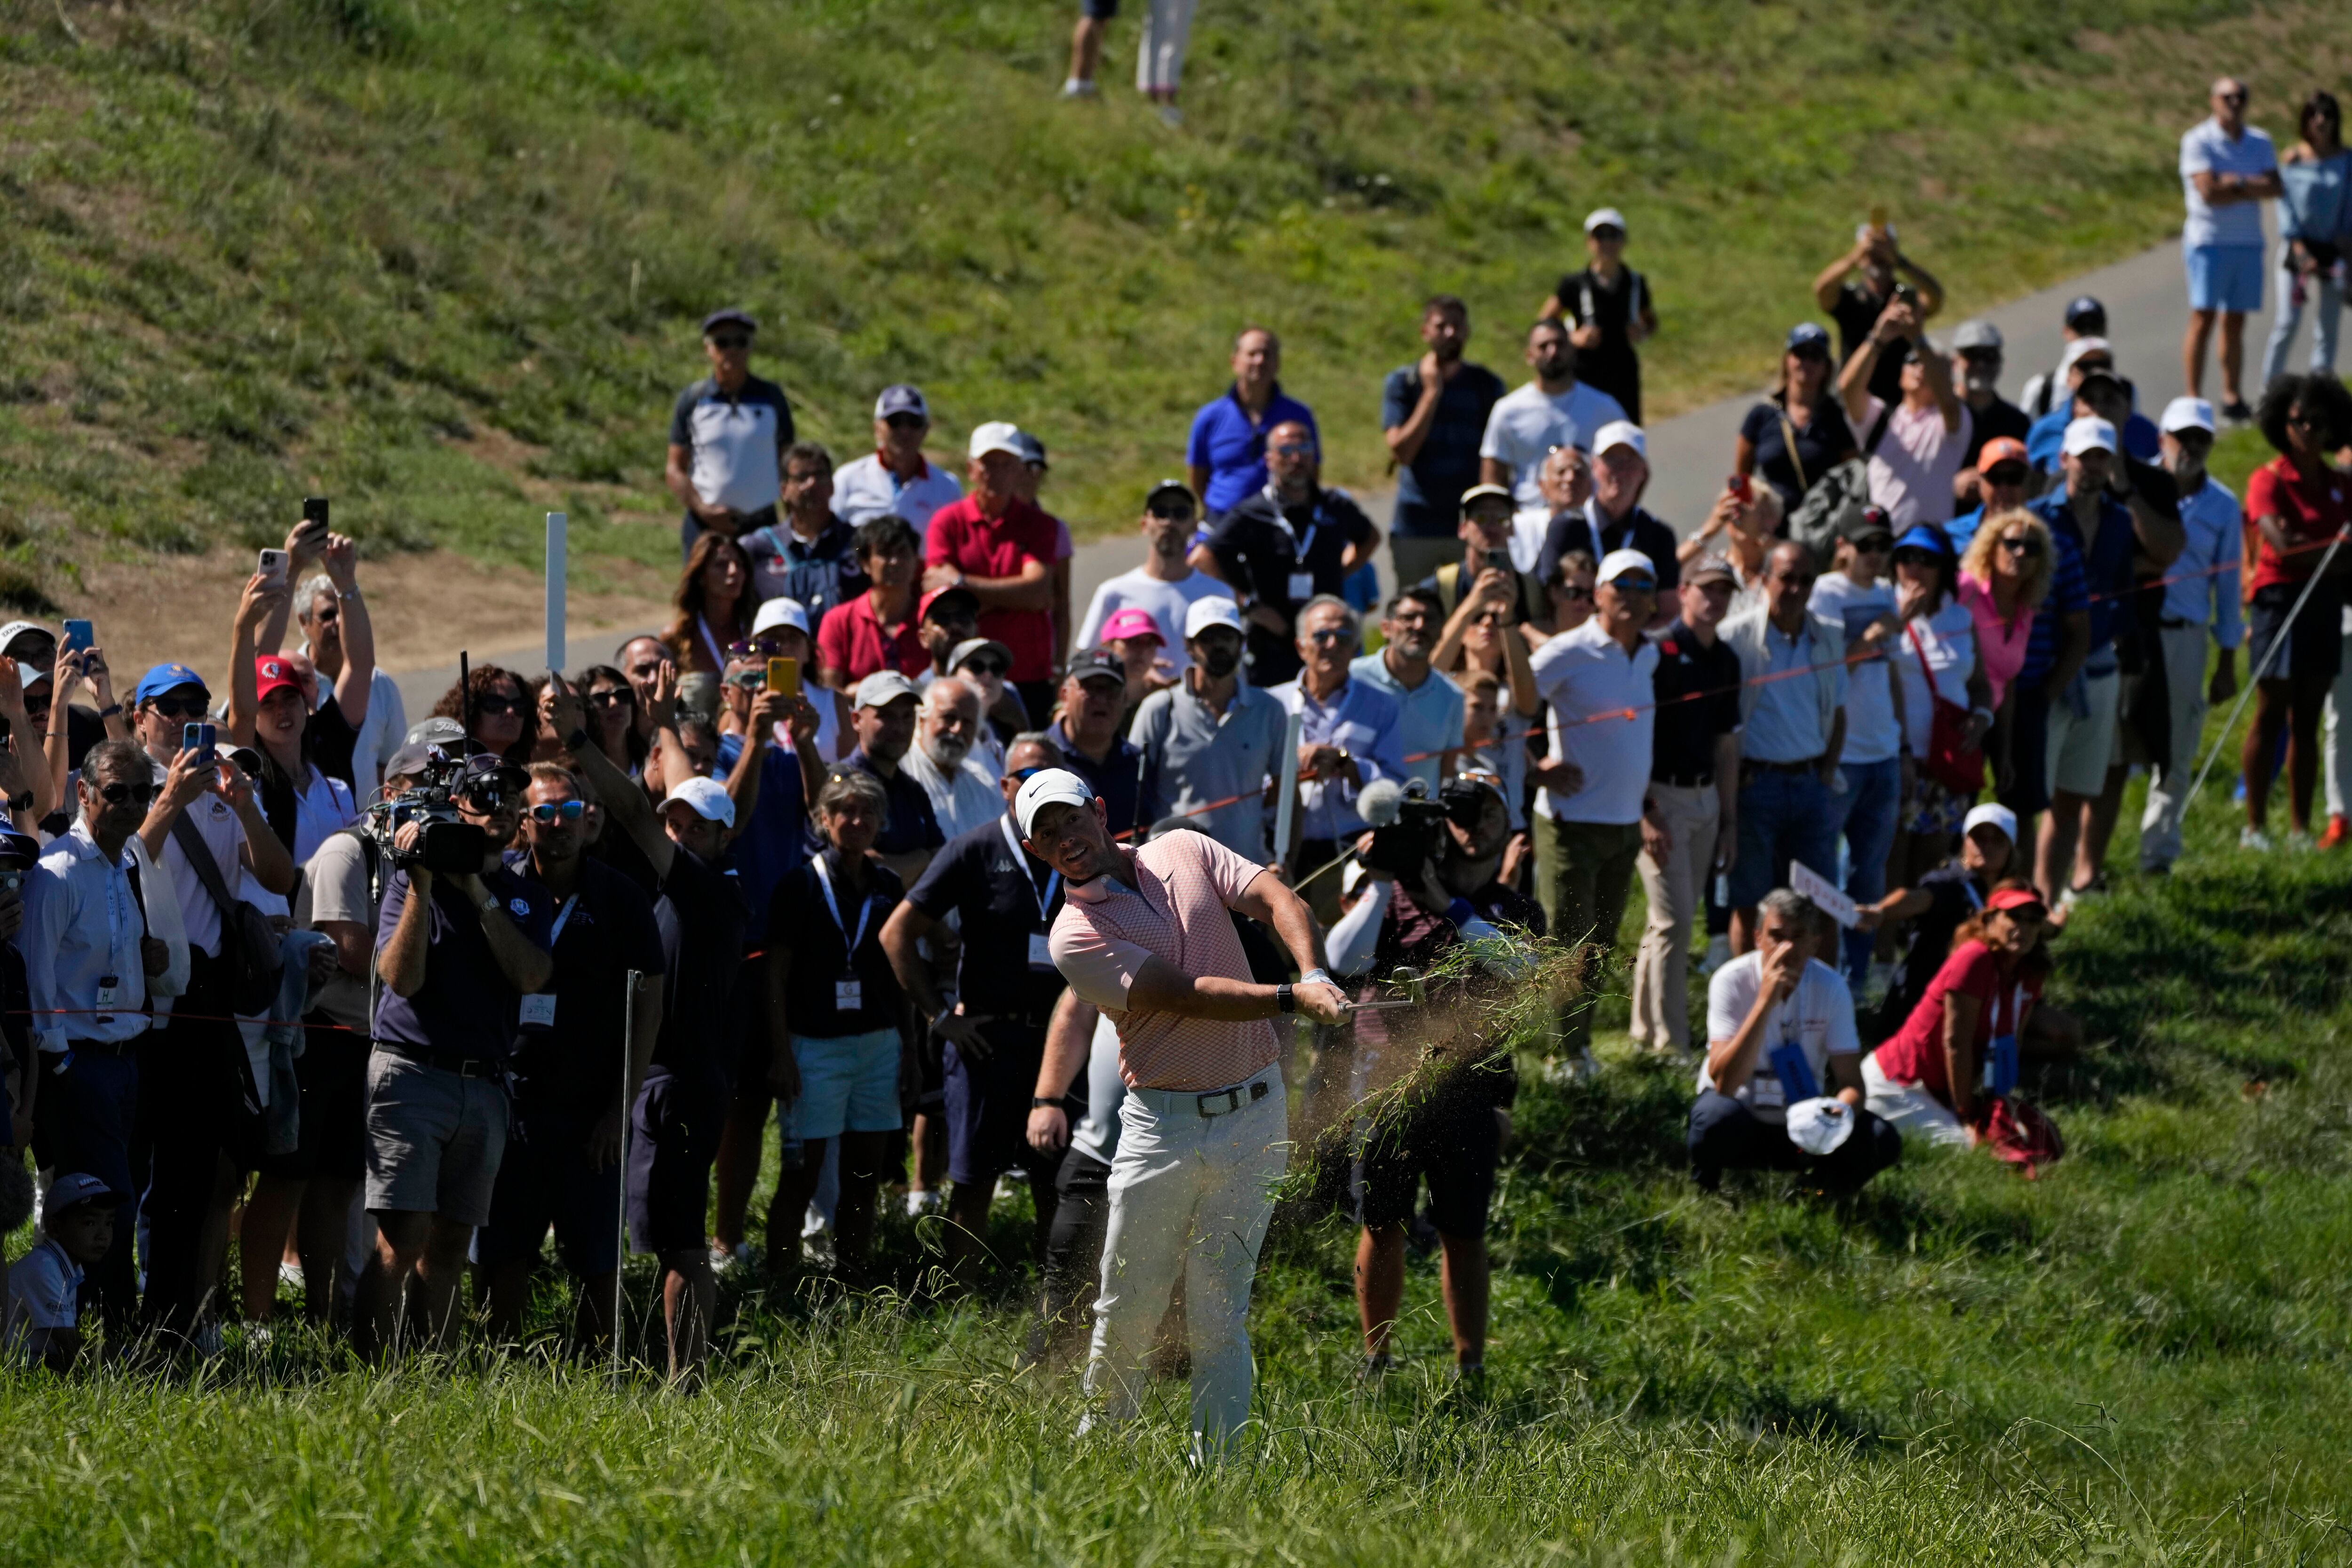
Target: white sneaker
[1074, 87]
[2300, 842]
[922, 1201]
[1170, 116]
[289, 1273]
[2255, 839]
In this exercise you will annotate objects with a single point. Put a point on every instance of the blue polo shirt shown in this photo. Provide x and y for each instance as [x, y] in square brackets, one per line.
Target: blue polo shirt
[1232, 445]
[1429, 716]
[2072, 584]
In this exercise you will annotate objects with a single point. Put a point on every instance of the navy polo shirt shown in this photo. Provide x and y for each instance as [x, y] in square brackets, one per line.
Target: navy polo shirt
[818, 574]
[912, 824]
[1118, 779]
[465, 1006]
[1428, 489]
[577, 1065]
[1231, 446]
[775, 837]
[998, 888]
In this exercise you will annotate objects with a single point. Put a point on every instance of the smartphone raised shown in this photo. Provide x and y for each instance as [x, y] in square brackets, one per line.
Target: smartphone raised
[1741, 488]
[271, 565]
[202, 739]
[79, 635]
[784, 675]
[1496, 560]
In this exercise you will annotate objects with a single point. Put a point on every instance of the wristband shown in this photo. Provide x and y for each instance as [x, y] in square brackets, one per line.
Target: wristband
[109, 710]
[1040, 1103]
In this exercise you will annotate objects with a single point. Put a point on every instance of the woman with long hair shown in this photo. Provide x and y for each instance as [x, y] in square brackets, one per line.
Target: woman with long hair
[2294, 505]
[711, 606]
[496, 709]
[2005, 577]
[1798, 431]
[1936, 661]
[1931, 1078]
[2314, 213]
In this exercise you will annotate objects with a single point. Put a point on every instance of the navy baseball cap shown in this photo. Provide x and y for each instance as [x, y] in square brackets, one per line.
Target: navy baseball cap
[18, 851]
[165, 678]
[489, 767]
[1807, 335]
[729, 317]
[2085, 314]
[1097, 663]
[902, 398]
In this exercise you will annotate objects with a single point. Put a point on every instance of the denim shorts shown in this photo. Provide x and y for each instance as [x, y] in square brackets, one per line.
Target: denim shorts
[2225, 278]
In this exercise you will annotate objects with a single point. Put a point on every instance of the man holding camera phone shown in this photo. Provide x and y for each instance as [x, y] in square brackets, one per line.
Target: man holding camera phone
[193, 1073]
[1428, 885]
[463, 958]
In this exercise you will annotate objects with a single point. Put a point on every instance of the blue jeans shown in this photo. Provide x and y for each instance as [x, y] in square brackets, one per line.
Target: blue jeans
[1874, 794]
[1782, 817]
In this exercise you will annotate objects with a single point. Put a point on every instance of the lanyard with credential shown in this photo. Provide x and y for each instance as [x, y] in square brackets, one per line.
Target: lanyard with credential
[555, 932]
[1020, 862]
[1314, 523]
[864, 910]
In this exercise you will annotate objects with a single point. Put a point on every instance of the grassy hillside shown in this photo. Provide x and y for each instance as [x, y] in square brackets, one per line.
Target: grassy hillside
[443, 260]
[2137, 1358]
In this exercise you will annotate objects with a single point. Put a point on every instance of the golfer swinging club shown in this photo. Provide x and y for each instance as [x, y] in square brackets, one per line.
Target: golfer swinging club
[1144, 935]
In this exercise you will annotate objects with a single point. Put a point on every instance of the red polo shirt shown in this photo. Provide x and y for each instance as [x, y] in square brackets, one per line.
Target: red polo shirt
[978, 545]
[850, 640]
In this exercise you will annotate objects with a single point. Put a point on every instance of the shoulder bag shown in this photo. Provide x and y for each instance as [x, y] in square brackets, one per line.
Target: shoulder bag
[1951, 760]
[250, 949]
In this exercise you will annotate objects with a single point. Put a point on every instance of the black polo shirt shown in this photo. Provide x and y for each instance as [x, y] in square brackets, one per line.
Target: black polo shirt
[1857, 311]
[801, 924]
[1637, 531]
[912, 824]
[1006, 900]
[1258, 556]
[701, 918]
[603, 931]
[1698, 704]
[2000, 418]
[1118, 779]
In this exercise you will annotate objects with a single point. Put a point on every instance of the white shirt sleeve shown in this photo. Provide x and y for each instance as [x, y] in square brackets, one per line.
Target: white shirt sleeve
[1357, 937]
[1836, 1001]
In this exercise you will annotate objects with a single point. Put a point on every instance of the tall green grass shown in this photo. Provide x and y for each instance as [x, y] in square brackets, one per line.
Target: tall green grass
[444, 260]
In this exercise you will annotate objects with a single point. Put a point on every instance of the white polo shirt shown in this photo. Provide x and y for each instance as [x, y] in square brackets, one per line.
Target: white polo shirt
[1818, 1015]
[2206, 149]
[865, 488]
[1529, 423]
[1581, 673]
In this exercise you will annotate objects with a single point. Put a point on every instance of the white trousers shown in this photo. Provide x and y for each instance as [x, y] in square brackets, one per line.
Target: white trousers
[1159, 54]
[1909, 1108]
[1188, 1193]
[2337, 749]
[2167, 782]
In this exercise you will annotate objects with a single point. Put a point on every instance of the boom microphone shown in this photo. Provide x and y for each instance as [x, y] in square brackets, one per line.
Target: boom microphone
[1380, 802]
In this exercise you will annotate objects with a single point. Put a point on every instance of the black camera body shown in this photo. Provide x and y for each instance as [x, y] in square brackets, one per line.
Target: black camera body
[449, 844]
[1411, 841]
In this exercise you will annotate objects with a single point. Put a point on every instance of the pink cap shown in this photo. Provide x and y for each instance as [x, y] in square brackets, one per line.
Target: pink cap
[1132, 621]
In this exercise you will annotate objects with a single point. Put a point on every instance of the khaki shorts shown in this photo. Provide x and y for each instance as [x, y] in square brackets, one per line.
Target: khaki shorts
[433, 1140]
[2081, 747]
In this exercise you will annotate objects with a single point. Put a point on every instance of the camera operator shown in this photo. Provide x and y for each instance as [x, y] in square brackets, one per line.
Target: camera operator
[677, 1115]
[463, 958]
[1428, 885]
[572, 1089]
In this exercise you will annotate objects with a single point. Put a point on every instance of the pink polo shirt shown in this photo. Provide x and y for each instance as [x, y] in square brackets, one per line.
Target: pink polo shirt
[1185, 883]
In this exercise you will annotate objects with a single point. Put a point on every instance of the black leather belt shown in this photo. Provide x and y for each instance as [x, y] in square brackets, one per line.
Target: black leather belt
[458, 1062]
[1225, 1101]
[1758, 764]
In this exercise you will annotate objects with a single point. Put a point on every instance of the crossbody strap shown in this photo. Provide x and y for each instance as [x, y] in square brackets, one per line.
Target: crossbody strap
[1788, 439]
[200, 856]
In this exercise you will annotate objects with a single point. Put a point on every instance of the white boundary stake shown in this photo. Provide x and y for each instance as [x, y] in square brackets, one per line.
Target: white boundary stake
[1286, 794]
[557, 525]
[2253, 677]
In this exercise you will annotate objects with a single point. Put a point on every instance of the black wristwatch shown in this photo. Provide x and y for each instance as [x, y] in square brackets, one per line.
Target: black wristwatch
[21, 802]
[1040, 1103]
[577, 740]
[1285, 999]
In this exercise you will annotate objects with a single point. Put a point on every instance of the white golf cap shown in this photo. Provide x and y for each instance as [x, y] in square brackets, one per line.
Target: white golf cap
[14, 629]
[1052, 787]
[2089, 434]
[998, 435]
[883, 688]
[1617, 562]
[777, 612]
[28, 676]
[2186, 414]
[1604, 217]
[2000, 816]
[1216, 610]
[2081, 349]
[707, 796]
[1621, 433]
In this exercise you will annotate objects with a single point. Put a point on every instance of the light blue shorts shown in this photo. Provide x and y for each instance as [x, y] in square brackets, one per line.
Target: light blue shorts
[848, 1084]
[2225, 278]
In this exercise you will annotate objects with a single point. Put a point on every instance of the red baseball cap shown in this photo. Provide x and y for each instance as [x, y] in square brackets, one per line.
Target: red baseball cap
[1132, 621]
[274, 672]
[2015, 899]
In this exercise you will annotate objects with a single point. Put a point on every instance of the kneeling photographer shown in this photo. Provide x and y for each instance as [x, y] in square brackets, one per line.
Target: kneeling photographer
[462, 944]
[1427, 885]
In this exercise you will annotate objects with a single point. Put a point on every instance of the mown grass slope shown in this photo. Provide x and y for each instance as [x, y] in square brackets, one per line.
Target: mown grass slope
[2137, 1358]
[443, 260]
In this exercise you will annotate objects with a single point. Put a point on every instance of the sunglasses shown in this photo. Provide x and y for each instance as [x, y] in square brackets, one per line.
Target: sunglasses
[1023, 776]
[497, 705]
[117, 792]
[1171, 513]
[327, 617]
[487, 798]
[1491, 618]
[2006, 474]
[1331, 634]
[906, 422]
[1875, 544]
[181, 707]
[1634, 585]
[1813, 352]
[2231, 97]
[2029, 548]
[1575, 594]
[613, 697]
[1292, 450]
[730, 341]
[996, 669]
[559, 811]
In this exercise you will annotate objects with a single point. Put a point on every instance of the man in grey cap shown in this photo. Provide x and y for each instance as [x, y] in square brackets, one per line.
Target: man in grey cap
[1976, 372]
[726, 438]
[895, 478]
[884, 718]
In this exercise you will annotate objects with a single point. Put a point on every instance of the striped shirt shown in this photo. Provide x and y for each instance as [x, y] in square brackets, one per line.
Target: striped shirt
[1184, 884]
[2070, 591]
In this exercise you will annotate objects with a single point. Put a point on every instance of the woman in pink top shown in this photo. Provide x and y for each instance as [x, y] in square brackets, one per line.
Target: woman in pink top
[2005, 574]
[1925, 435]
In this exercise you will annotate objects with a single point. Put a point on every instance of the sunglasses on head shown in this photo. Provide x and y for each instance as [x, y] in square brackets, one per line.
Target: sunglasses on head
[730, 341]
[2027, 547]
[115, 794]
[559, 811]
[181, 707]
